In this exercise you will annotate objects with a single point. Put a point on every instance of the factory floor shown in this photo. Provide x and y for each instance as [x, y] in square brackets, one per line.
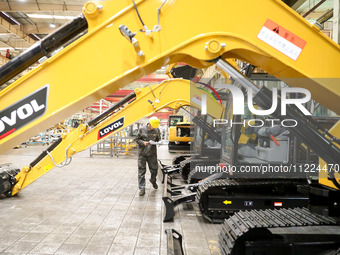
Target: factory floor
[92, 206]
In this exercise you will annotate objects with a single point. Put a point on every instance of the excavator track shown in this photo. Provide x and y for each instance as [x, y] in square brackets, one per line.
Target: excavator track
[187, 165]
[196, 176]
[178, 159]
[242, 230]
[185, 168]
[220, 198]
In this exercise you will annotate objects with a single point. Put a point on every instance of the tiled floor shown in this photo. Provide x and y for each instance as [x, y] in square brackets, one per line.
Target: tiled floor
[92, 207]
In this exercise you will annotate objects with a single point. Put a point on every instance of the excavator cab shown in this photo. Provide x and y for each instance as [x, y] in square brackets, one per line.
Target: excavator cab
[254, 140]
[206, 143]
[264, 161]
[180, 133]
[205, 150]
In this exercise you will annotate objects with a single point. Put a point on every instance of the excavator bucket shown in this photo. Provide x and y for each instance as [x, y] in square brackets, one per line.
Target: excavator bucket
[7, 179]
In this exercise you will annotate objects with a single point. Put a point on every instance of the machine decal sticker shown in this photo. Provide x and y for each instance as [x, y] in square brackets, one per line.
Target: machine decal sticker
[278, 204]
[48, 167]
[281, 39]
[248, 203]
[110, 128]
[23, 112]
[227, 202]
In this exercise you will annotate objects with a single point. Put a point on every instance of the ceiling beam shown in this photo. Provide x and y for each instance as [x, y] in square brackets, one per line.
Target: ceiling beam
[313, 8]
[14, 29]
[297, 4]
[8, 43]
[32, 7]
[313, 15]
[294, 4]
[39, 28]
[336, 22]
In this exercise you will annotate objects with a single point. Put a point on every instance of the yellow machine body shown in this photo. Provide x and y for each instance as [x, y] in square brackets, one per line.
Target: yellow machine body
[324, 169]
[179, 133]
[147, 101]
[173, 137]
[103, 60]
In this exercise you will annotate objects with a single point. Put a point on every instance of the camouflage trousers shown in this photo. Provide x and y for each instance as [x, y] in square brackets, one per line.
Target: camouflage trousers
[153, 167]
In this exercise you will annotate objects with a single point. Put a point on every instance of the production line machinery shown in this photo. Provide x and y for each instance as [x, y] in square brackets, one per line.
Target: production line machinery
[220, 198]
[121, 115]
[276, 39]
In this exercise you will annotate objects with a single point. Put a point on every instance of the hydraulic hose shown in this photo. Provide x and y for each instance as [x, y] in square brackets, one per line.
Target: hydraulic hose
[42, 48]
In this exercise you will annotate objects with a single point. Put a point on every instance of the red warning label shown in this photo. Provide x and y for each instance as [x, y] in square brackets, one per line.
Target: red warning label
[271, 25]
[277, 203]
[281, 39]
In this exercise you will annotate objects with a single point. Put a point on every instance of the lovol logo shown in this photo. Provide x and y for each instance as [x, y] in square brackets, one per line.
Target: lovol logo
[23, 112]
[111, 128]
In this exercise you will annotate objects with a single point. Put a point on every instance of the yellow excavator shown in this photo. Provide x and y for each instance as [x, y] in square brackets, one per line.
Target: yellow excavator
[119, 116]
[180, 133]
[124, 40]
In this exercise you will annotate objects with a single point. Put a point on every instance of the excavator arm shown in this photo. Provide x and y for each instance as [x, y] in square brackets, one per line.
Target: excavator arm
[109, 56]
[141, 103]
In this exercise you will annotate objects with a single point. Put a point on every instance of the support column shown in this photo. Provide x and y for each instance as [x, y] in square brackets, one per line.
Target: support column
[336, 21]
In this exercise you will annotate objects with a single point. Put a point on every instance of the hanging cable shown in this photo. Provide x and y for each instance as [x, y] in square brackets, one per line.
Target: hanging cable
[166, 82]
[156, 27]
[213, 90]
[159, 11]
[140, 18]
[209, 94]
[152, 91]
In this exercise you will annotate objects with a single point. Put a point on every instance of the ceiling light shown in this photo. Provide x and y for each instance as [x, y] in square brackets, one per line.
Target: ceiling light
[52, 25]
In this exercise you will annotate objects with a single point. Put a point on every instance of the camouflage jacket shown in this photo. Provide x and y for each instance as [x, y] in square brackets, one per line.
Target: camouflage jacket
[145, 135]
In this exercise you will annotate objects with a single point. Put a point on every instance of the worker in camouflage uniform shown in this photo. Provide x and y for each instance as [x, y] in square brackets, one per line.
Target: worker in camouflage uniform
[148, 153]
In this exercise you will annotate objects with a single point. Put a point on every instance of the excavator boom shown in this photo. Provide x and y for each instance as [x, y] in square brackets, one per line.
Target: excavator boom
[109, 55]
[141, 103]
[118, 41]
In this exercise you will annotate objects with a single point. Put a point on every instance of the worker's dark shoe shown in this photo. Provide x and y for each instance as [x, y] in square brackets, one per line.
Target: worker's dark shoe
[142, 192]
[154, 184]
